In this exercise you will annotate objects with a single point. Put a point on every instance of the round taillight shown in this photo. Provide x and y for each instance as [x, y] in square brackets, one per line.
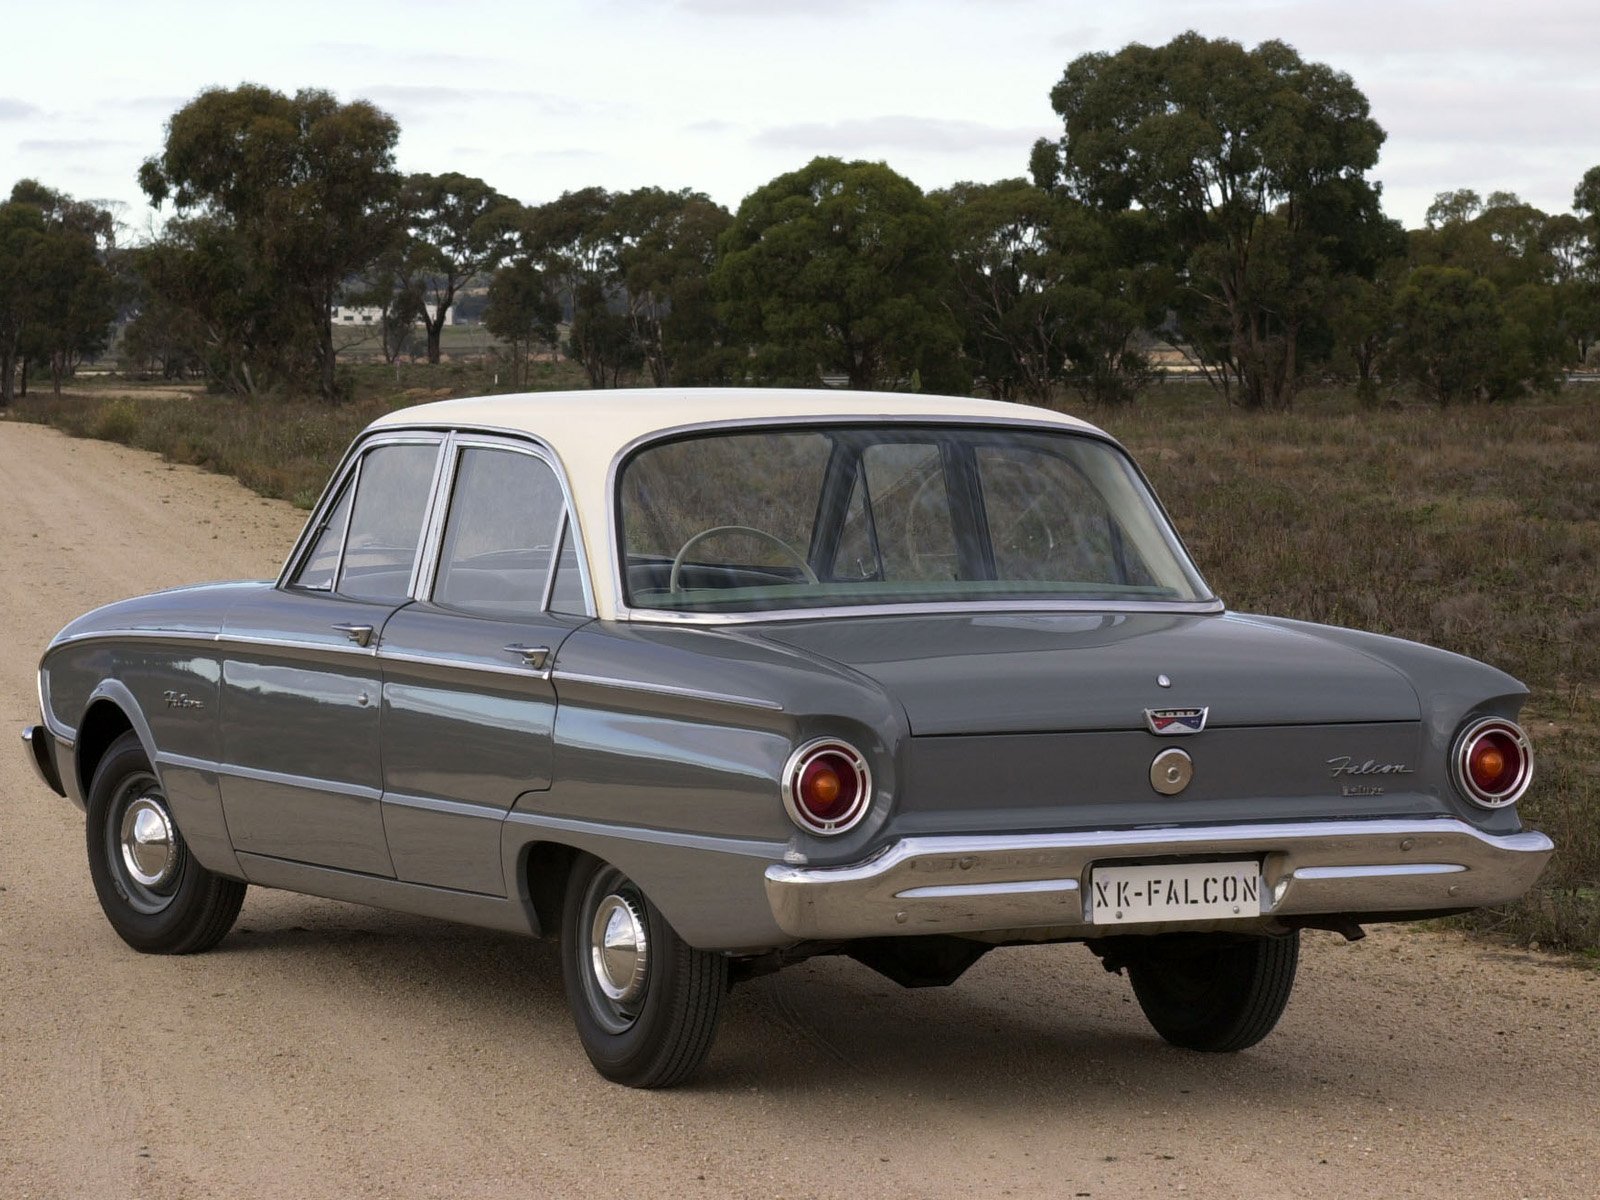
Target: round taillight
[1493, 762]
[826, 786]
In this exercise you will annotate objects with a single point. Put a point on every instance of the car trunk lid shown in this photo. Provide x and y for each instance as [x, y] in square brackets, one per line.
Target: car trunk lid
[997, 673]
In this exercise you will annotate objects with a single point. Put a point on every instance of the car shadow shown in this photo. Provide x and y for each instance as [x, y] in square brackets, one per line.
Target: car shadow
[1044, 1021]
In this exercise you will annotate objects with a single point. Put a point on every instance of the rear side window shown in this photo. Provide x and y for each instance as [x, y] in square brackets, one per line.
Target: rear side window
[500, 538]
[391, 500]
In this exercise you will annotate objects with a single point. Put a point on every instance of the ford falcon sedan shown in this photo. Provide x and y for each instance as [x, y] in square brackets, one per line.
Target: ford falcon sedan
[706, 683]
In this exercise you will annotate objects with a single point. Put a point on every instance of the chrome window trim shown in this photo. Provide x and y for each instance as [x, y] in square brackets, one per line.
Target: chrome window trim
[555, 560]
[923, 608]
[496, 438]
[349, 465]
[626, 612]
[433, 528]
[457, 444]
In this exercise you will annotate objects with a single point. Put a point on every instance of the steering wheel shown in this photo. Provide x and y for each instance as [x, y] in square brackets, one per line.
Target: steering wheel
[673, 585]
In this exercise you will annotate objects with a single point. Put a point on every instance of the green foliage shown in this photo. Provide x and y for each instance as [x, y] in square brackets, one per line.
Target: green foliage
[1450, 330]
[523, 311]
[1253, 161]
[21, 235]
[1010, 286]
[458, 227]
[1529, 312]
[841, 268]
[58, 295]
[1050, 291]
[666, 246]
[302, 189]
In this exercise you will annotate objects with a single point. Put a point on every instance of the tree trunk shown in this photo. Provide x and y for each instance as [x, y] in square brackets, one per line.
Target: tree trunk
[435, 321]
[8, 364]
[323, 308]
[27, 369]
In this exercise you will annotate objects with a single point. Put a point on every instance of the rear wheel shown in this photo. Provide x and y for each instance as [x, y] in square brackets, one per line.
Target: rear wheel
[645, 1002]
[154, 893]
[1214, 992]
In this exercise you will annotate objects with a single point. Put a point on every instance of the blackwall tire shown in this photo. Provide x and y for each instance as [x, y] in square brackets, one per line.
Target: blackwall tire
[153, 892]
[646, 1004]
[1215, 992]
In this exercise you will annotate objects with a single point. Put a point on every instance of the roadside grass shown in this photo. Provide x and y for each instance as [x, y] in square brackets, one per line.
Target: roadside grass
[1476, 529]
[283, 448]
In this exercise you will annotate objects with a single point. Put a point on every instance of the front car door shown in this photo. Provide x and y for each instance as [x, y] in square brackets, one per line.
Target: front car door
[468, 706]
[301, 776]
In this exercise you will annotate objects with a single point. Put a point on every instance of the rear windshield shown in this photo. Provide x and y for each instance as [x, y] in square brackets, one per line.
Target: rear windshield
[841, 516]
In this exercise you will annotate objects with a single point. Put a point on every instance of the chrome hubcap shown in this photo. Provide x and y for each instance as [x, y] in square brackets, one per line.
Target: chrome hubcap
[149, 845]
[619, 949]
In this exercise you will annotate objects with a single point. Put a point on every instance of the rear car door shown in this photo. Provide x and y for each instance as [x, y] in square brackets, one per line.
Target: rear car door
[468, 706]
[301, 777]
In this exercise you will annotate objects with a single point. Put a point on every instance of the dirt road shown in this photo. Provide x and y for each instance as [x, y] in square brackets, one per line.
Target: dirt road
[330, 1050]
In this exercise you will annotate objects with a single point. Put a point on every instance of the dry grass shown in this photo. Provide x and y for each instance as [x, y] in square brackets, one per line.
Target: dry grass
[1476, 529]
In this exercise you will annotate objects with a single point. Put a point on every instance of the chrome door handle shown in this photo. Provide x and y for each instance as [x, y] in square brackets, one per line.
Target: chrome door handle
[535, 658]
[361, 635]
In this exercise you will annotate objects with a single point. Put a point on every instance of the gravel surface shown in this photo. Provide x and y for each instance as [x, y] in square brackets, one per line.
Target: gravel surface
[325, 1049]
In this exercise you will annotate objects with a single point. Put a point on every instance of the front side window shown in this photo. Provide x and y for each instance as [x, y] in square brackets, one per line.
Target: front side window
[322, 563]
[391, 500]
[500, 536]
[828, 517]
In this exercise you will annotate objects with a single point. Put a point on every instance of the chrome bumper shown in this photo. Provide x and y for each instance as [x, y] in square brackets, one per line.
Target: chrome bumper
[1039, 881]
[42, 754]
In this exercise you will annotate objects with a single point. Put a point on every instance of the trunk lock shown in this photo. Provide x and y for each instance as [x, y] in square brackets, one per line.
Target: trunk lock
[1170, 771]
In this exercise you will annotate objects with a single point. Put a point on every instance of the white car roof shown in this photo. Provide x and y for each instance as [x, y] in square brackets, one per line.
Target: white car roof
[587, 430]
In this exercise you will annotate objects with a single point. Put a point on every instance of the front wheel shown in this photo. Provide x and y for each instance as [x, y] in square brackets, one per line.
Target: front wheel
[645, 1002]
[156, 896]
[1214, 992]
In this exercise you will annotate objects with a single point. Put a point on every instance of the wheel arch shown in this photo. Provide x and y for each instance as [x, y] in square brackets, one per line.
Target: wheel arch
[542, 881]
[111, 712]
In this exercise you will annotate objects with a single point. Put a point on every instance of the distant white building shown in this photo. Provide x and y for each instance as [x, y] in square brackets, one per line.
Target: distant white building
[364, 314]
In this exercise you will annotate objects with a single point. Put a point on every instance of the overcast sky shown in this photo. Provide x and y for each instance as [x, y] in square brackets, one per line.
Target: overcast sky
[722, 95]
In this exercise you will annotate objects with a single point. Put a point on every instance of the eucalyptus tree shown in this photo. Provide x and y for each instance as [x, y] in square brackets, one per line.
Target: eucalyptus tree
[306, 184]
[842, 268]
[58, 287]
[665, 247]
[458, 227]
[524, 312]
[1253, 161]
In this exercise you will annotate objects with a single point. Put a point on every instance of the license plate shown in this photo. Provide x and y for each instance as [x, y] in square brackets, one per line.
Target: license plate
[1174, 892]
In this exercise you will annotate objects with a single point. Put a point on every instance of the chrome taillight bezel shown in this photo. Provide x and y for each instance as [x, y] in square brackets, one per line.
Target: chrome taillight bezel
[803, 757]
[1462, 773]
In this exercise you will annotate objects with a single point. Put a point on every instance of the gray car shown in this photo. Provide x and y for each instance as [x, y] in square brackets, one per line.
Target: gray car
[705, 683]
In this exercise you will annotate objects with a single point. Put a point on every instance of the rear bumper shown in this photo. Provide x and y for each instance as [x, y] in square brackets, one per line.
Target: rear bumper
[1037, 882]
[42, 754]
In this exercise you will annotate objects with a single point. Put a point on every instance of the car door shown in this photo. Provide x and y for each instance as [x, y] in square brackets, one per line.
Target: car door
[301, 777]
[468, 706]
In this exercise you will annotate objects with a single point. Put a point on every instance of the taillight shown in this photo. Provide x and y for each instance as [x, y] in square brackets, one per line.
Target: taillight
[827, 786]
[1493, 762]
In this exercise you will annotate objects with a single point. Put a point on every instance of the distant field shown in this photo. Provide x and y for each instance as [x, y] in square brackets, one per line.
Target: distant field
[1476, 529]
